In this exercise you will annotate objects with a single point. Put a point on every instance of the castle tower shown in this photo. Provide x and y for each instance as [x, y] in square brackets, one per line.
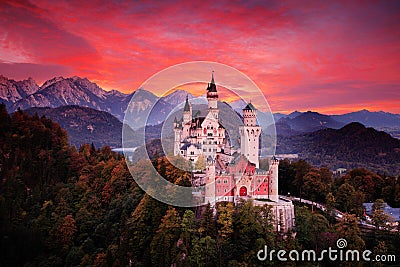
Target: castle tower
[212, 97]
[210, 181]
[273, 178]
[187, 112]
[177, 137]
[250, 134]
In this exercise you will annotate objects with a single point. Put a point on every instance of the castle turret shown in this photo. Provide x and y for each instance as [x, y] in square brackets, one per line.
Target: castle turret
[187, 112]
[177, 137]
[212, 97]
[250, 134]
[273, 179]
[210, 181]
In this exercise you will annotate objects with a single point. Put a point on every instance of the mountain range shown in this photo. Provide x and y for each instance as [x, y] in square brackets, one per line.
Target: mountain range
[93, 115]
[78, 91]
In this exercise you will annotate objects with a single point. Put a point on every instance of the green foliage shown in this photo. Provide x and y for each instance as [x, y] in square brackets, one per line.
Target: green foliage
[350, 200]
[164, 243]
[348, 229]
[317, 184]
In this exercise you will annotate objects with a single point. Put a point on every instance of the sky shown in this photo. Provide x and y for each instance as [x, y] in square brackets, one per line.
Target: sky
[325, 56]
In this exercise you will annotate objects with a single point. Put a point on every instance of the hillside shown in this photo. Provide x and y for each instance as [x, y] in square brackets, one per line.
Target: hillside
[305, 122]
[352, 146]
[85, 125]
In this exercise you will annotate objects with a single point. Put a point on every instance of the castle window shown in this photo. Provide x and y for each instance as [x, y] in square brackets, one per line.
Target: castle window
[258, 189]
[191, 152]
[265, 189]
[209, 150]
[219, 181]
[204, 150]
[225, 190]
[181, 152]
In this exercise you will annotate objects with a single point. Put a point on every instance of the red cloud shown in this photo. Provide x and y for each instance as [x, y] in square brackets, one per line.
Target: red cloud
[312, 55]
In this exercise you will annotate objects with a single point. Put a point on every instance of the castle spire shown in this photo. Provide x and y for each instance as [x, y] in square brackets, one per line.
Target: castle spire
[211, 86]
[187, 106]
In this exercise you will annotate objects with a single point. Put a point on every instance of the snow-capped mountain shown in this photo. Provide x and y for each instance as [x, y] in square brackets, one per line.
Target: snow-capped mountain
[69, 91]
[78, 91]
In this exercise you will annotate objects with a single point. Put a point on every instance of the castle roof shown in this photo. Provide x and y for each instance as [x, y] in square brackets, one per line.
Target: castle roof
[187, 145]
[250, 107]
[211, 86]
[187, 106]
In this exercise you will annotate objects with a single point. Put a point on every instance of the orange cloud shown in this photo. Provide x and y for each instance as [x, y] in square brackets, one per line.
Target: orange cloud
[313, 55]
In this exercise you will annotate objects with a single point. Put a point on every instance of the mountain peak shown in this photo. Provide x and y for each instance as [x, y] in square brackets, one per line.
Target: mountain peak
[353, 126]
[51, 81]
[294, 114]
[177, 97]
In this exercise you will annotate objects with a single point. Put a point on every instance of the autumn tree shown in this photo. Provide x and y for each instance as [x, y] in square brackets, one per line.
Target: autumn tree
[164, 244]
[200, 163]
[348, 229]
[379, 218]
[207, 222]
[65, 231]
[330, 207]
[204, 252]
[350, 200]
[315, 185]
[225, 211]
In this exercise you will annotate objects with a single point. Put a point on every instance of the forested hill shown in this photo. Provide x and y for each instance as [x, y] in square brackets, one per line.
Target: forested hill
[352, 146]
[60, 206]
[85, 125]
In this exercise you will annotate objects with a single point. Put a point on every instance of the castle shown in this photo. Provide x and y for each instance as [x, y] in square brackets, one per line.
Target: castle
[230, 173]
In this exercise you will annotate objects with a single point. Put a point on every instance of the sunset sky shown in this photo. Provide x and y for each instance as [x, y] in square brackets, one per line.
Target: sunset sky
[326, 56]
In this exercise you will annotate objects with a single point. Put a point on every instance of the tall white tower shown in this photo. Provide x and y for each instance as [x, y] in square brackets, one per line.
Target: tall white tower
[210, 182]
[177, 139]
[273, 179]
[212, 97]
[250, 134]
